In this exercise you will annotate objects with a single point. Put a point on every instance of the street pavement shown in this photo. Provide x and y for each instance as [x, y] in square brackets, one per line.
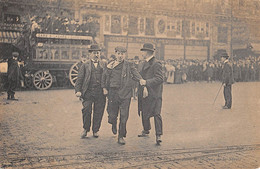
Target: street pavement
[42, 130]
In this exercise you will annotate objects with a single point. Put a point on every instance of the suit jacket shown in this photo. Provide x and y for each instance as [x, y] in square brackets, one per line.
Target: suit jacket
[227, 74]
[84, 74]
[129, 73]
[153, 74]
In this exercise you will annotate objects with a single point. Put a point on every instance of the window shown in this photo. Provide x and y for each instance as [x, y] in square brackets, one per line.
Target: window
[222, 34]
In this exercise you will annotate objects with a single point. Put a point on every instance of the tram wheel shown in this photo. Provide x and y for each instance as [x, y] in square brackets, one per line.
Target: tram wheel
[73, 74]
[42, 80]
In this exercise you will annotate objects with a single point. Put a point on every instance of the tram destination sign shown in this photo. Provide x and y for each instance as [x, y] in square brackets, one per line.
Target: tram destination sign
[58, 36]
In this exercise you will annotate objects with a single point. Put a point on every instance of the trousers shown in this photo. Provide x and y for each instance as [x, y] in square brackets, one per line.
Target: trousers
[152, 108]
[228, 95]
[93, 102]
[115, 106]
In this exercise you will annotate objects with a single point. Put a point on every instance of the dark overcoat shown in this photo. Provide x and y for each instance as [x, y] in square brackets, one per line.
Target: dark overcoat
[129, 73]
[13, 72]
[151, 72]
[84, 74]
[227, 74]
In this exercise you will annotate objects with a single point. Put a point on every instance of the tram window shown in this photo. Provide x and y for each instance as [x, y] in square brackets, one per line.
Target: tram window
[64, 55]
[75, 54]
[56, 55]
[84, 54]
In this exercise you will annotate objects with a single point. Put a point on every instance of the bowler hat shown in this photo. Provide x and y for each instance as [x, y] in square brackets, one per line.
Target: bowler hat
[120, 49]
[224, 55]
[15, 54]
[94, 47]
[148, 47]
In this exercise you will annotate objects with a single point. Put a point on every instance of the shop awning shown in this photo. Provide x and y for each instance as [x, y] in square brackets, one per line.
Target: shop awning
[8, 36]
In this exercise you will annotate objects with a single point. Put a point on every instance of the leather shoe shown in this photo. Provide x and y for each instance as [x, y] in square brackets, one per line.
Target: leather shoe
[158, 139]
[121, 140]
[225, 107]
[96, 135]
[114, 129]
[84, 134]
[144, 134]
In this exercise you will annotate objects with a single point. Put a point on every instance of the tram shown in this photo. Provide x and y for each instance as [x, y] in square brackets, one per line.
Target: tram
[55, 60]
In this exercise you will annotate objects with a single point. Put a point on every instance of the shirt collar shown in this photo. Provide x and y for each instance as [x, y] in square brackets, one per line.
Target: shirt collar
[225, 61]
[148, 59]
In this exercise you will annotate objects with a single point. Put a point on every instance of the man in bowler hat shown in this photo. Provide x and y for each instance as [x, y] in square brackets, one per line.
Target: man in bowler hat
[227, 80]
[88, 88]
[150, 92]
[116, 82]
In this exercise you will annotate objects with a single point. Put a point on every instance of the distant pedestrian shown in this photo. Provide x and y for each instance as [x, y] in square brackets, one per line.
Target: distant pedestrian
[14, 75]
[88, 88]
[227, 80]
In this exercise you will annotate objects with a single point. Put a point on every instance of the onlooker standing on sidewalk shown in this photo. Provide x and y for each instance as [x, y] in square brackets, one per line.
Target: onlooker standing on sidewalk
[14, 75]
[227, 80]
[88, 88]
[150, 92]
[117, 82]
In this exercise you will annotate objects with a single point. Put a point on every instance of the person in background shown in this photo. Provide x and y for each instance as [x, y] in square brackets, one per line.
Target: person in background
[14, 75]
[88, 88]
[227, 80]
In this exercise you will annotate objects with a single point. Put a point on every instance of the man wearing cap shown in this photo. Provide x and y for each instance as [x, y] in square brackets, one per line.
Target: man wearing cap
[88, 88]
[14, 75]
[150, 92]
[116, 82]
[227, 80]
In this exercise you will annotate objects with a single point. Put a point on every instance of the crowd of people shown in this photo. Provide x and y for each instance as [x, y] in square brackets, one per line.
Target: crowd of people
[179, 71]
[63, 25]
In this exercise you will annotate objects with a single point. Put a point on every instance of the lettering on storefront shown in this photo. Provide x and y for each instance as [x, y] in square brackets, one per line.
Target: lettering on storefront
[155, 41]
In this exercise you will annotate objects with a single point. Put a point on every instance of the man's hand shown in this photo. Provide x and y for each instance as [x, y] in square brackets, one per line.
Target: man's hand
[78, 94]
[145, 92]
[105, 92]
[142, 82]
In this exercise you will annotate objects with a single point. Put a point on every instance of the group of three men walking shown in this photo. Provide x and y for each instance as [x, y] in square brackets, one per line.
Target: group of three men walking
[96, 80]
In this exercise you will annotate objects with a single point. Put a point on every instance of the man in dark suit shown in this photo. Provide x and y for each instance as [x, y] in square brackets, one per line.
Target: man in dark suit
[14, 75]
[116, 82]
[227, 80]
[88, 88]
[150, 92]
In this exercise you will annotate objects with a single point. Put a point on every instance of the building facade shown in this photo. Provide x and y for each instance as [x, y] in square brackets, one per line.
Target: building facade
[189, 29]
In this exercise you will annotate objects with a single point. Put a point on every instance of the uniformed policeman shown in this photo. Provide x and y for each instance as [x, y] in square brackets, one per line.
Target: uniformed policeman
[88, 88]
[116, 82]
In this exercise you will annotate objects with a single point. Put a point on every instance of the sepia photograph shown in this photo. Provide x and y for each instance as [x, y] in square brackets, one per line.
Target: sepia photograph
[130, 84]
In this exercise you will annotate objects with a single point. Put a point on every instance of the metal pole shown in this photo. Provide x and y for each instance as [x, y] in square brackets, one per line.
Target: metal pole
[217, 93]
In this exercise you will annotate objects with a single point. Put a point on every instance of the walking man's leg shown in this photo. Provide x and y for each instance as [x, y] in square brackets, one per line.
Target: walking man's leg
[98, 112]
[86, 116]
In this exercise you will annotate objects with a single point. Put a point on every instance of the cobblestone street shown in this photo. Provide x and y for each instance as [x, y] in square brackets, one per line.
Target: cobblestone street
[42, 130]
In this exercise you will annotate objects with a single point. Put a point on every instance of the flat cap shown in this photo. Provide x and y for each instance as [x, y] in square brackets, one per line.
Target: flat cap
[120, 49]
[15, 54]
